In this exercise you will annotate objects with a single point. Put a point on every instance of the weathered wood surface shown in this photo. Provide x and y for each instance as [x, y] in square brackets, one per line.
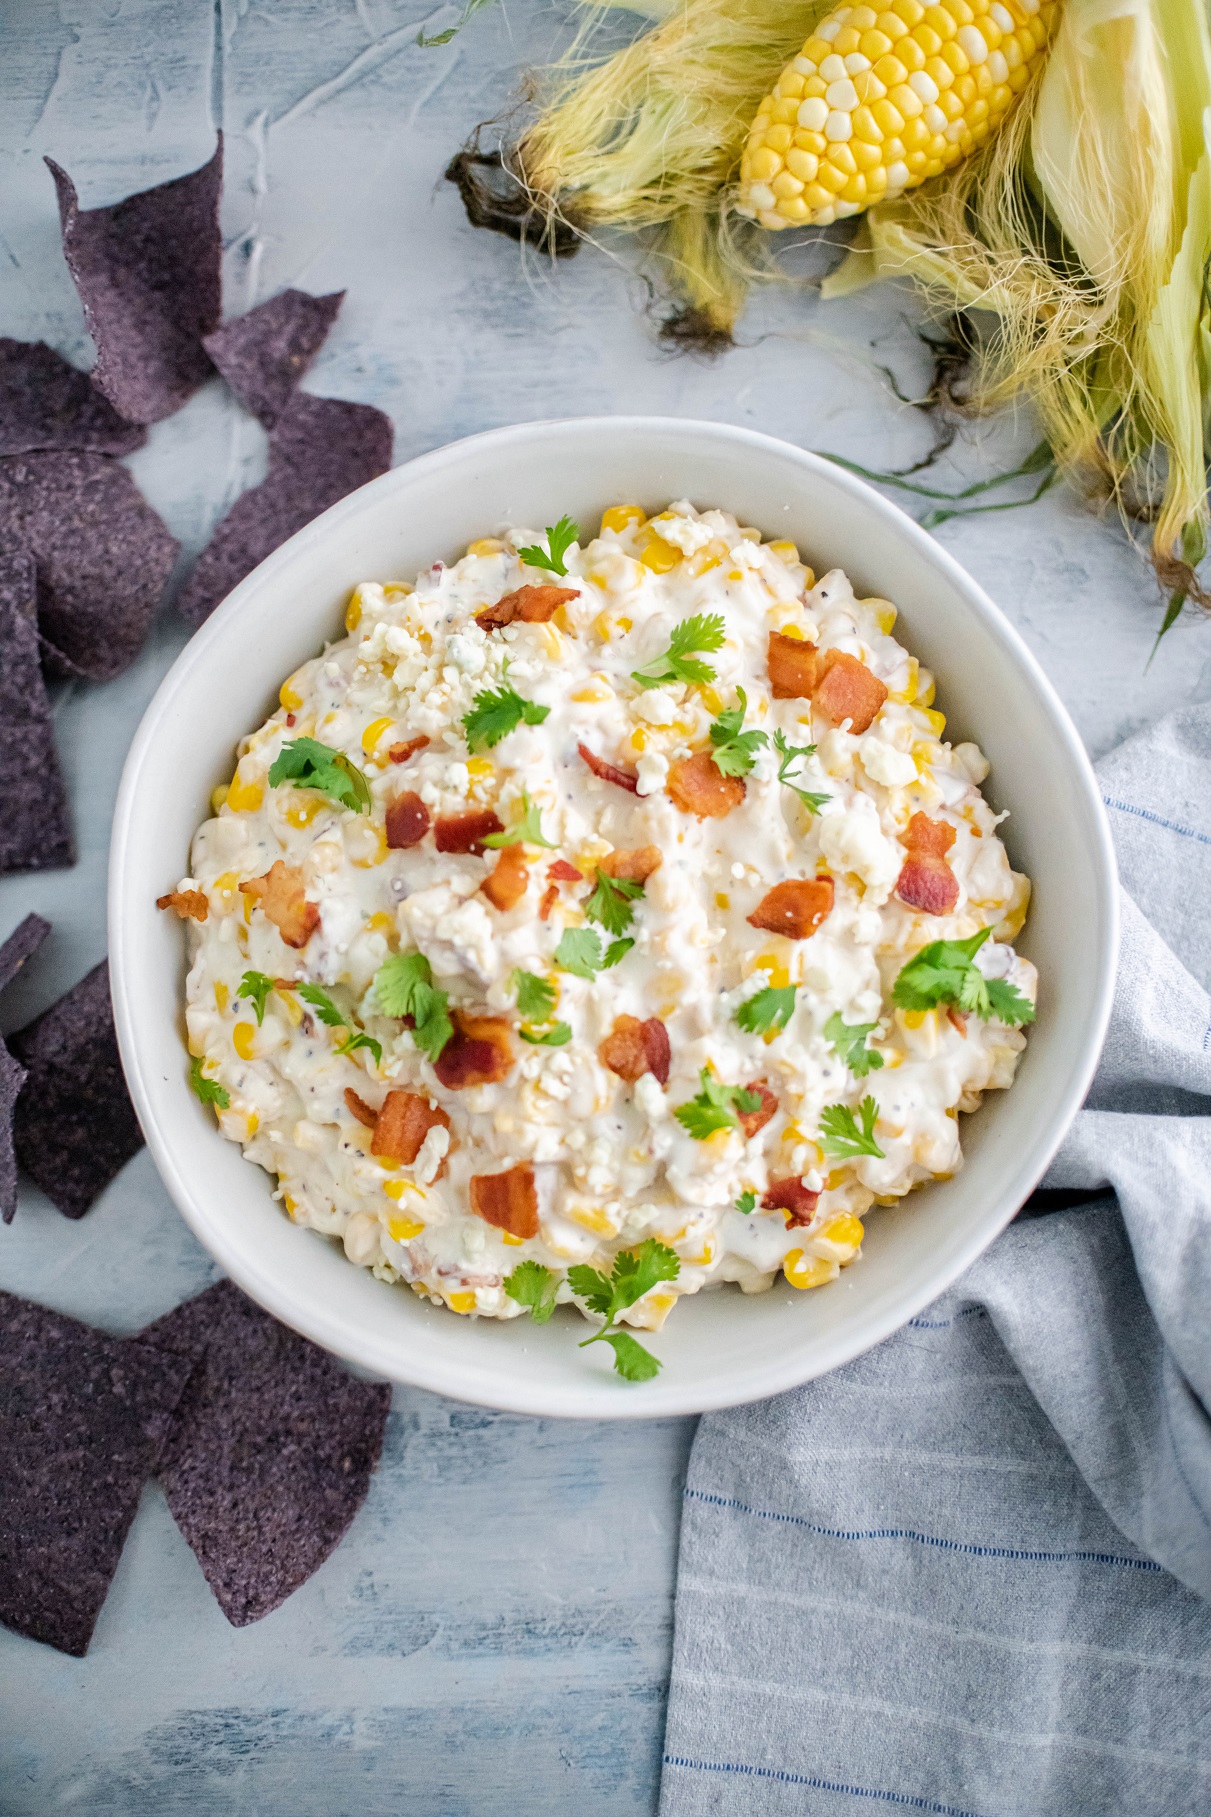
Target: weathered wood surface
[493, 1636]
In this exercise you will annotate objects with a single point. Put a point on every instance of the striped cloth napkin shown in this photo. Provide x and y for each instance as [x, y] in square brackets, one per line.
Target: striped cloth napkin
[970, 1573]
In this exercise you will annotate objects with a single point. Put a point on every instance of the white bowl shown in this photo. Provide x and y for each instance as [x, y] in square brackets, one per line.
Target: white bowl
[719, 1348]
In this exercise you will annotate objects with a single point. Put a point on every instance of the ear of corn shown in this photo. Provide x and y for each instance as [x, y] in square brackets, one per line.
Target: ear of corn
[880, 99]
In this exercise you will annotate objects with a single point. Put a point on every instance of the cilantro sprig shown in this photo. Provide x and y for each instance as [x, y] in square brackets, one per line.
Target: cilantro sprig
[308, 764]
[767, 1010]
[790, 754]
[610, 903]
[208, 1090]
[945, 972]
[735, 751]
[558, 1035]
[533, 1285]
[527, 830]
[332, 1017]
[635, 1272]
[560, 538]
[536, 998]
[497, 712]
[255, 988]
[715, 1107]
[403, 986]
[747, 1202]
[841, 1134]
[680, 662]
[580, 952]
[849, 1039]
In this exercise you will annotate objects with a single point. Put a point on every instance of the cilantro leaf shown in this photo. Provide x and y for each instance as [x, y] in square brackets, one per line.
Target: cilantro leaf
[945, 972]
[403, 986]
[357, 1037]
[526, 831]
[255, 988]
[715, 1107]
[494, 714]
[535, 997]
[631, 1360]
[560, 538]
[634, 1273]
[469, 10]
[735, 751]
[767, 1010]
[323, 1005]
[208, 1090]
[558, 1035]
[841, 1135]
[308, 764]
[616, 950]
[849, 1039]
[747, 1201]
[703, 632]
[532, 1285]
[790, 755]
[579, 952]
[610, 903]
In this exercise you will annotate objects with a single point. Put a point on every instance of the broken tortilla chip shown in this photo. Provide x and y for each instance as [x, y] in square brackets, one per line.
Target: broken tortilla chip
[47, 403]
[75, 1125]
[21, 945]
[271, 1450]
[320, 449]
[103, 556]
[12, 1077]
[35, 825]
[147, 270]
[264, 354]
[82, 1418]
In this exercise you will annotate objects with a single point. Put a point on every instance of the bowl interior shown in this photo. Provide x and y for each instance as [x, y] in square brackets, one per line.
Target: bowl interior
[720, 1347]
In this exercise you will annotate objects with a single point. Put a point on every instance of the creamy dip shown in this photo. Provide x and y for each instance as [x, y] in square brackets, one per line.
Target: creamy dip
[546, 1126]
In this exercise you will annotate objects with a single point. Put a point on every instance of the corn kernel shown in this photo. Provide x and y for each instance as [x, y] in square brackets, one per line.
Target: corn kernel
[244, 797]
[846, 1230]
[603, 625]
[218, 797]
[507, 1236]
[937, 721]
[292, 1007]
[220, 996]
[774, 969]
[802, 1270]
[487, 545]
[375, 853]
[353, 618]
[243, 1039]
[659, 556]
[395, 1189]
[722, 899]
[589, 1217]
[402, 1230]
[289, 695]
[374, 732]
[621, 517]
[461, 1302]
[302, 813]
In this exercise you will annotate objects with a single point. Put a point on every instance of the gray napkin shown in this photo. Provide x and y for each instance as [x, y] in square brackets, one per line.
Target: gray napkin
[965, 1573]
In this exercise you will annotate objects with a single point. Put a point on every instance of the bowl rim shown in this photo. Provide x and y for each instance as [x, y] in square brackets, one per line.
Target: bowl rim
[660, 1399]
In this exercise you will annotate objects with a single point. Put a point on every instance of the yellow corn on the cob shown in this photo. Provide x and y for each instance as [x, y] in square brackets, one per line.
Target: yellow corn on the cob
[882, 98]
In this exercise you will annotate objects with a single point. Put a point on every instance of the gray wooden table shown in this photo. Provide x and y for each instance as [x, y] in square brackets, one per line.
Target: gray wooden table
[494, 1634]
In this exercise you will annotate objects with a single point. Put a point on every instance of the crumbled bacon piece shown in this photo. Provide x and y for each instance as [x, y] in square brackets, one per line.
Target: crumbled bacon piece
[634, 865]
[633, 1048]
[794, 1198]
[407, 821]
[402, 1125]
[510, 879]
[609, 772]
[532, 605]
[793, 667]
[359, 1108]
[480, 1052]
[795, 908]
[467, 831]
[696, 786]
[751, 1121]
[190, 905]
[847, 689]
[926, 881]
[550, 897]
[507, 1200]
[400, 753]
[281, 894]
[563, 872]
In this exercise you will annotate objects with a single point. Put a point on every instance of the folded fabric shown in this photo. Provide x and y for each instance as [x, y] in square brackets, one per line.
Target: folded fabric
[966, 1574]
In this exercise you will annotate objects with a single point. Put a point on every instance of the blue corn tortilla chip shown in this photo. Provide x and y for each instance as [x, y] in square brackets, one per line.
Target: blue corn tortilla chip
[75, 1125]
[103, 557]
[147, 270]
[271, 1450]
[12, 1078]
[35, 824]
[21, 945]
[82, 1419]
[320, 449]
[264, 354]
[47, 403]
